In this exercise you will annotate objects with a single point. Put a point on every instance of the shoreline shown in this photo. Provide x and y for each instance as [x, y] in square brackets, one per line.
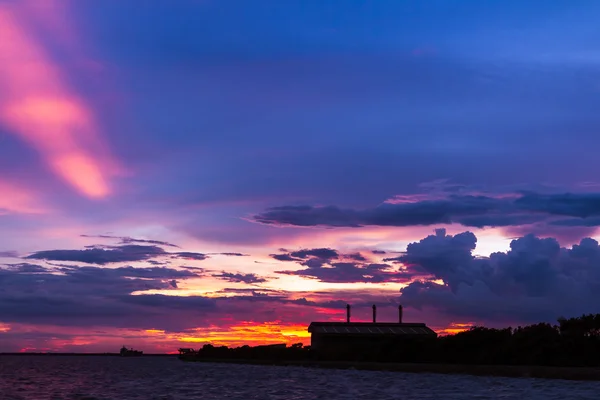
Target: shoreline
[508, 371]
[31, 354]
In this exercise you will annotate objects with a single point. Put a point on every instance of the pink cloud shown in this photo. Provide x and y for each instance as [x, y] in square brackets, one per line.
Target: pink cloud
[37, 105]
[15, 199]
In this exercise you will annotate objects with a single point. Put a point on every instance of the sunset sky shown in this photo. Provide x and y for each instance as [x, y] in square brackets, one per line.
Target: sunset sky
[174, 173]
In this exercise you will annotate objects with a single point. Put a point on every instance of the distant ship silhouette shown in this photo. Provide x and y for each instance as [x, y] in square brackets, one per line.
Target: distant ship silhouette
[125, 352]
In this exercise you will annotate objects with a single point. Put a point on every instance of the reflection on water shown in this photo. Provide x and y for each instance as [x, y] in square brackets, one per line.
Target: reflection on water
[49, 377]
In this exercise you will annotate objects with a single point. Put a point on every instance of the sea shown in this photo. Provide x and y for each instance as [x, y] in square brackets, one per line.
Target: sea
[109, 378]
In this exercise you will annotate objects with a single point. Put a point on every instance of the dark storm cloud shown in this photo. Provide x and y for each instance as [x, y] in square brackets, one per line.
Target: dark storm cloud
[468, 210]
[239, 277]
[535, 280]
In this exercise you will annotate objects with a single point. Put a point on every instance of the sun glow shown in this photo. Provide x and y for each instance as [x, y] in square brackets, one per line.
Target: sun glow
[455, 328]
[250, 334]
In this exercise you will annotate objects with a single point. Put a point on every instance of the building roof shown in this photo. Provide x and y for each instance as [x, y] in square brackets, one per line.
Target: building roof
[371, 329]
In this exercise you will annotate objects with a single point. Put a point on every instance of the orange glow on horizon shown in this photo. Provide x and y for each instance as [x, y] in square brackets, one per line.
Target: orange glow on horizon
[155, 331]
[250, 334]
[455, 328]
[236, 334]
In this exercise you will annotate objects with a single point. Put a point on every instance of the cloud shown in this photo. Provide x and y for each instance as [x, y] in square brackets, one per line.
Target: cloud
[239, 277]
[9, 254]
[320, 253]
[186, 255]
[16, 199]
[513, 209]
[252, 291]
[83, 296]
[186, 303]
[328, 265]
[129, 240]
[348, 272]
[38, 105]
[72, 296]
[536, 280]
[356, 257]
[27, 268]
[283, 257]
[102, 255]
[440, 255]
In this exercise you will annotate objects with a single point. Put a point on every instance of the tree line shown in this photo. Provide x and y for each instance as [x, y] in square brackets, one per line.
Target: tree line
[569, 342]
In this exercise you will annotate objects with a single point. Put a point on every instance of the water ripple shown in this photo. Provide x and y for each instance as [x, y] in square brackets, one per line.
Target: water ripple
[113, 378]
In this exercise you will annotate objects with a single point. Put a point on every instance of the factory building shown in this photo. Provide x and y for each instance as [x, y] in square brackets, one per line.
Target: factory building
[359, 339]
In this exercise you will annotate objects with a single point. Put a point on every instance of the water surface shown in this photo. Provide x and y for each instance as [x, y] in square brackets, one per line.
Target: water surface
[95, 378]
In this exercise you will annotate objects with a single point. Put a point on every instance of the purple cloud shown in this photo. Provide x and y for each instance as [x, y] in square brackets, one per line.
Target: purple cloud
[319, 253]
[113, 254]
[239, 277]
[101, 256]
[186, 255]
[130, 240]
[348, 272]
[468, 210]
[328, 265]
[536, 280]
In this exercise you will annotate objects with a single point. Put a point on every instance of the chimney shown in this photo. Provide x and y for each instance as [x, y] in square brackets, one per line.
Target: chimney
[400, 314]
[348, 313]
[374, 313]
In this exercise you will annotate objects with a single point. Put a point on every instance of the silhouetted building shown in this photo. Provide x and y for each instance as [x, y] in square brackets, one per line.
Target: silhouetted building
[341, 339]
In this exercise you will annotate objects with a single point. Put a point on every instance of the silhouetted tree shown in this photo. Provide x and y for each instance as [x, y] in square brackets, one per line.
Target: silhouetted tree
[573, 342]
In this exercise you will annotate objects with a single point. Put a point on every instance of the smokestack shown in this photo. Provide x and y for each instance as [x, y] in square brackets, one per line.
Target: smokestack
[400, 314]
[348, 313]
[374, 313]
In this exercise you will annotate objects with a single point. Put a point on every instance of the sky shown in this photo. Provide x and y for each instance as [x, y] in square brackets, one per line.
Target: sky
[180, 173]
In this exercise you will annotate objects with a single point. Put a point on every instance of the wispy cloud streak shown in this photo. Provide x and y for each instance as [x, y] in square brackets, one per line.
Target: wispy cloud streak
[37, 104]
